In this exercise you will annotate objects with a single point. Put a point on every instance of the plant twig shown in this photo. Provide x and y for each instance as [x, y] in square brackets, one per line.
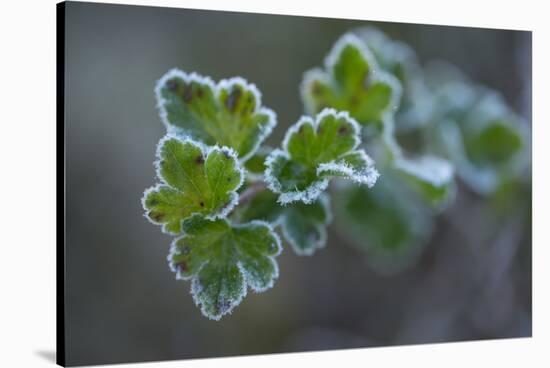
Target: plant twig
[252, 191]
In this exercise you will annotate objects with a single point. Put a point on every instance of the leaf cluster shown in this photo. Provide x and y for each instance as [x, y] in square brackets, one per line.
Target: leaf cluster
[228, 198]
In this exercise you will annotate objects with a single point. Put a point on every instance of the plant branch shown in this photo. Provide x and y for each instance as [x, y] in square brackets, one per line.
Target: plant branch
[252, 191]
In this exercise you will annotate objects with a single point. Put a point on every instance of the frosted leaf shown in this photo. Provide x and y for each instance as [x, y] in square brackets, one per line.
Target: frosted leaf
[431, 176]
[386, 223]
[313, 152]
[229, 113]
[223, 260]
[486, 142]
[416, 105]
[352, 81]
[195, 180]
[304, 225]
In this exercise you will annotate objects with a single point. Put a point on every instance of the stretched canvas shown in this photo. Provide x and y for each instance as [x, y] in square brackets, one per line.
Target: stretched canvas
[240, 183]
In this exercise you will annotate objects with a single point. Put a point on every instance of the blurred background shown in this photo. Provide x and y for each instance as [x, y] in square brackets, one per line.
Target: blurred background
[471, 280]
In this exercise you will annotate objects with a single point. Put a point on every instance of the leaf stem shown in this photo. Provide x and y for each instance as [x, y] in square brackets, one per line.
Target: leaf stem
[252, 191]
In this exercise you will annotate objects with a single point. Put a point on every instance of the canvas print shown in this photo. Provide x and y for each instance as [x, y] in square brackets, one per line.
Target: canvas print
[240, 183]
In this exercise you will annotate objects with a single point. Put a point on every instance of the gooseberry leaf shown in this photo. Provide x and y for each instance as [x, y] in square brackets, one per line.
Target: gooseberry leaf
[222, 260]
[416, 105]
[495, 143]
[386, 223]
[488, 143]
[304, 225]
[229, 113]
[313, 152]
[194, 180]
[351, 82]
[394, 56]
[430, 176]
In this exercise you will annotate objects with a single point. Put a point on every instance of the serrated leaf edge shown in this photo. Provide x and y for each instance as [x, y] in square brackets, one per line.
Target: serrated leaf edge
[206, 150]
[312, 192]
[195, 286]
[368, 177]
[216, 88]
[376, 74]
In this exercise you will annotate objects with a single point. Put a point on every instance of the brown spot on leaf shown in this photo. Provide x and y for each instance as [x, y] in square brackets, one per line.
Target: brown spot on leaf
[201, 204]
[187, 94]
[156, 216]
[233, 99]
[343, 130]
[199, 160]
[200, 92]
[316, 88]
[171, 85]
[182, 266]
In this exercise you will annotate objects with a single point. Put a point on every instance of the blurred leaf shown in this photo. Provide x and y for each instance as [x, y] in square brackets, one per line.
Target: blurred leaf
[453, 93]
[194, 180]
[222, 260]
[398, 58]
[430, 176]
[393, 56]
[229, 113]
[494, 144]
[385, 222]
[487, 143]
[314, 151]
[351, 82]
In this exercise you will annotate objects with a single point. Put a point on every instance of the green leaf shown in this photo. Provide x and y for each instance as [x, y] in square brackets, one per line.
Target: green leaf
[223, 260]
[228, 113]
[487, 143]
[495, 143]
[388, 224]
[314, 151]
[429, 176]
[394, 56]
[351, 82]
[195, 180]
[304, 225]
[416, 105]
